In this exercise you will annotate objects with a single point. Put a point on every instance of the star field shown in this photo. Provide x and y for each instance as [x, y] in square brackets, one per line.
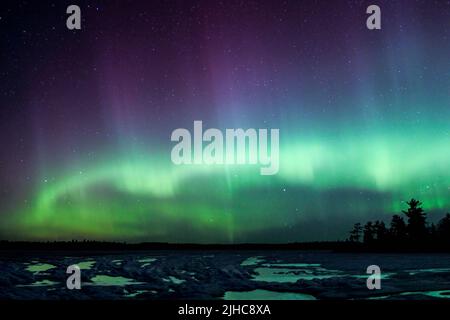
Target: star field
[86, 117]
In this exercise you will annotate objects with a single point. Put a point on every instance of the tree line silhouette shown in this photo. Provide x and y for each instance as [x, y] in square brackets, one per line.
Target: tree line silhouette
[410, 233]
[415, 233]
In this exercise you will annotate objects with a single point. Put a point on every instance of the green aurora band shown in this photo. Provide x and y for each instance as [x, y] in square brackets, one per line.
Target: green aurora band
[147, 197]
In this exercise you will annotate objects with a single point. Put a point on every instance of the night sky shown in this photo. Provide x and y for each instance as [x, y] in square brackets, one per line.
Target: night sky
[86, 117]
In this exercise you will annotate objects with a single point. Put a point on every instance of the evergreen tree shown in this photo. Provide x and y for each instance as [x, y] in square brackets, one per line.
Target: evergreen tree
[397, 229]
[381, 232]
[416, 228]
[369, 233]
[443, 229]
[432, 233]
[355, 234]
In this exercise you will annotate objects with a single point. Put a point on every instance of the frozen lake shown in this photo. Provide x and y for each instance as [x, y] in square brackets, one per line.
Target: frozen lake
[261, 275]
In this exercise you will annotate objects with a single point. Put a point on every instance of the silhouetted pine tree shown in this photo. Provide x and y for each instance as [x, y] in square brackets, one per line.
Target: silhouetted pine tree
[397, 231]
[369, 233]
[417, 229]
[443, 229]
[355, 234]
[381, 232]
[432, 234]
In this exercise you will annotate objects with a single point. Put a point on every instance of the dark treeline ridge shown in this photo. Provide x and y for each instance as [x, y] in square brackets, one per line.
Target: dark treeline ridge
[103, 246]
[414, 234]
[89, 245]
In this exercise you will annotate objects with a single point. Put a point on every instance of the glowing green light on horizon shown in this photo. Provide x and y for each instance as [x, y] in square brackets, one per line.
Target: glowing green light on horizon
[145, 199]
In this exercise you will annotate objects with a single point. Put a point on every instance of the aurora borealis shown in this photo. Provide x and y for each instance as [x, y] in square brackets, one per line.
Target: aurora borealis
[86, 117]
